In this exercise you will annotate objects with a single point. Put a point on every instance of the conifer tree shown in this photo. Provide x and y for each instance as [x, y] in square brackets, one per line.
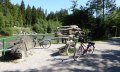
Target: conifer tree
[28, 15]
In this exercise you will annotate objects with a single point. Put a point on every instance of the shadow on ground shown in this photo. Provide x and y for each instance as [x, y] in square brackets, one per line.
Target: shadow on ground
[107, 61]
[7, 57]
[103, 61]
[114, 41]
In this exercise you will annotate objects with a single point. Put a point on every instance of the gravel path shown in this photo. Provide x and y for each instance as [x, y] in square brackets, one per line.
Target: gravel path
[106, 58]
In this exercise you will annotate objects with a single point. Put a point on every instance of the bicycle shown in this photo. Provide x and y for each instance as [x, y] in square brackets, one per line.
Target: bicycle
[42, 42]
[69, 47]
[84, 50]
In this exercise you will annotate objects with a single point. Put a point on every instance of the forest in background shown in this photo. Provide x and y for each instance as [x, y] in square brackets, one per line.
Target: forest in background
[99, 18]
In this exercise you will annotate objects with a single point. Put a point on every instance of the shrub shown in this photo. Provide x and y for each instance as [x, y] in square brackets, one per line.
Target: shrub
[36, 28]
[49, 30]
[7, 31]
[27, 30]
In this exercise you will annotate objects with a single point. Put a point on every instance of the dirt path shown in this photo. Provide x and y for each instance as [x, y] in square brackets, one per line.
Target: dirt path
[106, 58]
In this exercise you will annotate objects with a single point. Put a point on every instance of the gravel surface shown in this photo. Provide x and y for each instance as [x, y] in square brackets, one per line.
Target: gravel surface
[106, 58]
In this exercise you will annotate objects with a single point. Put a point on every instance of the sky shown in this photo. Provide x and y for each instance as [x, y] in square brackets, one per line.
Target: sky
[53, 5]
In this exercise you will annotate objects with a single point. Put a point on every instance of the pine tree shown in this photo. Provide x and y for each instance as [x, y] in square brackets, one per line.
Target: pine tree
[28, 15]
[40, 13]
[74, 5]
[51, 16]
[101, 7]
[22, 10]
[34, 16]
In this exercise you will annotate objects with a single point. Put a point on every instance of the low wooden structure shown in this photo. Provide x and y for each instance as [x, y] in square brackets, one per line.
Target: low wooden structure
[66, 33]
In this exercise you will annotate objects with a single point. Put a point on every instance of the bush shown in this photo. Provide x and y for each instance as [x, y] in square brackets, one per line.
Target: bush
[7, 31]
[49, 30]
[27, 30]
[16, 30]
[36, 28]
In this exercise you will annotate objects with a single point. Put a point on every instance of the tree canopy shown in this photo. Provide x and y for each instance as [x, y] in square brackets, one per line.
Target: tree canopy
[100, 18]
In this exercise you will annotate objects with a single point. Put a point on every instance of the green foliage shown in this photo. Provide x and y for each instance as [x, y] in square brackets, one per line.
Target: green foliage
[99, 19]
[44, 26]
[18, 30]
[113, 22]
[22, 11]
[58, 15]
[7, 31]
[1, 20]
[17, 17]
[37, 28]
[80, 17]
[53, 25]
[34, 16]
[26, 29]
[74, 5]
[28, 15]
[40, 27]
[49, 30]
[51, 16]
[101, 7]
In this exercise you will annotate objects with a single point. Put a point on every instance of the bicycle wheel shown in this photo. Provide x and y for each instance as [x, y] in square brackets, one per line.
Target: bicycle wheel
[78, 53]
[46, 44]
[90, 50]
